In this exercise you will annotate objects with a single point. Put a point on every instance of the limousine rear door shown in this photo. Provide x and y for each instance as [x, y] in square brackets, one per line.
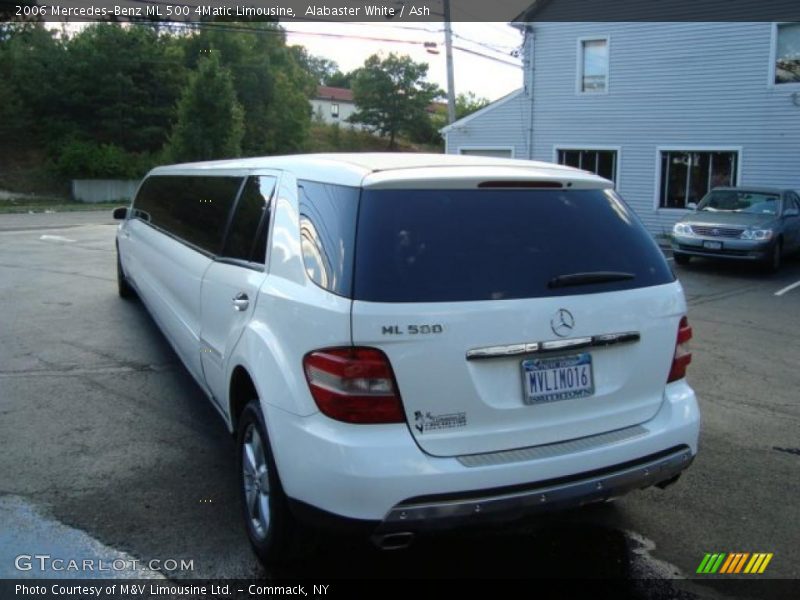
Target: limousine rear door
[231, 283]
[174, 234]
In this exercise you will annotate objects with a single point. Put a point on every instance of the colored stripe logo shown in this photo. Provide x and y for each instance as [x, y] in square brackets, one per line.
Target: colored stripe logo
[735, 562]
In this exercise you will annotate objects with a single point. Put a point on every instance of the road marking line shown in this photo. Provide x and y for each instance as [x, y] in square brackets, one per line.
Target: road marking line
[788, 288]
[55, 238]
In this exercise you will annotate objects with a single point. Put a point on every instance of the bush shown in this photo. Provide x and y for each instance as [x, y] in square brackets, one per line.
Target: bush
[78, 159]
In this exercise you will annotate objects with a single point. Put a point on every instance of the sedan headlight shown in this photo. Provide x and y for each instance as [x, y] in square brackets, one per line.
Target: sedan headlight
[757, 234]
[682, 229]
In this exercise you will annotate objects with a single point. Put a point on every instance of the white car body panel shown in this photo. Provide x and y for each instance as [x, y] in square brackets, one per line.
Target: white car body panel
[435, 377]
[361, 472]
[222, 325]
[169, 275]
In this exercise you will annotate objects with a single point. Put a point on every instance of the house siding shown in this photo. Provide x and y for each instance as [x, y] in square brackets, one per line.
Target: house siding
[670, 84]
[321, 109]
[680, 85]
[505, 125]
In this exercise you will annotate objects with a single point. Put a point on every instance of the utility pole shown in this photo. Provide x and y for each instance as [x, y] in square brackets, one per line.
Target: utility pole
[448, 43]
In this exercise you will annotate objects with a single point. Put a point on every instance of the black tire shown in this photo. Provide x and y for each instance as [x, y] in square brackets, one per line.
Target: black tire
[682, 259]
[124, 288]
[773, 263]
[277, 540]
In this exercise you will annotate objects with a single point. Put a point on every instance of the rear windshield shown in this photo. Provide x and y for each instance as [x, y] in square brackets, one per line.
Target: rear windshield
[463, 245]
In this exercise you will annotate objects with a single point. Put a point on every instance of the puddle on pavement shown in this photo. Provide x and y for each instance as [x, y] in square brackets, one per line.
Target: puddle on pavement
[28, 535]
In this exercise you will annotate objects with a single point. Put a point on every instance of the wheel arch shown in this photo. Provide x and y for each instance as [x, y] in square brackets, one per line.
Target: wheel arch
[241, 390]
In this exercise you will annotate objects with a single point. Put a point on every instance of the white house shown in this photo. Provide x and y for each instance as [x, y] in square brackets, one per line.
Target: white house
[665, 110]
[334, 105]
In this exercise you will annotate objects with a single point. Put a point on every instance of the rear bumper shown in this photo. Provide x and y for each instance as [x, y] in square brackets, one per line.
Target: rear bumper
[484, 505]
[500, 505]
[376, 477]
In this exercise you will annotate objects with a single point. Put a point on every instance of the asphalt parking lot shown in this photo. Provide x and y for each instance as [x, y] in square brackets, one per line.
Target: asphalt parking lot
[103, 431]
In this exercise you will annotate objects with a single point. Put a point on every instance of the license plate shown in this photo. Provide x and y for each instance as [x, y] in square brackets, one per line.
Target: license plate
[562, 378]
[712, 245]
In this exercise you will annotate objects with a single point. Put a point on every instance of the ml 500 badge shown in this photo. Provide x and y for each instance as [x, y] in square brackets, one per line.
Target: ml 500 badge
[411, 329]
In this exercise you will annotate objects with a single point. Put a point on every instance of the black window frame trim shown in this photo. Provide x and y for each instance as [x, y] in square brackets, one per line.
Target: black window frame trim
[217, 257]
[250, 264]
[358, 190]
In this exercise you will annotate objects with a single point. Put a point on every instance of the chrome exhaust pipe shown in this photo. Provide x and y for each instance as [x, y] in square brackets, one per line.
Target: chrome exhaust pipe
[393, 541]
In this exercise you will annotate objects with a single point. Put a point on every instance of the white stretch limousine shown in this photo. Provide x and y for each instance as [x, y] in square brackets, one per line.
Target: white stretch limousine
[410, 342]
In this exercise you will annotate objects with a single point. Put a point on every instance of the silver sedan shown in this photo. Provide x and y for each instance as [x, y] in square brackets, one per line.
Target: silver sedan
[753, 224]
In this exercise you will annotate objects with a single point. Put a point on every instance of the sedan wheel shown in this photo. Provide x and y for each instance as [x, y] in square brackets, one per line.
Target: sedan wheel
[773, 264]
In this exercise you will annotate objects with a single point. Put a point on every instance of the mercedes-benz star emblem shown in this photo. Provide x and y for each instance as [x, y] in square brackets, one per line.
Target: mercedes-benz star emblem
[562, 322]
[715, 232]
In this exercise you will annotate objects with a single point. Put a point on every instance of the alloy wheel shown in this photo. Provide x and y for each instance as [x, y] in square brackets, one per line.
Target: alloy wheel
[255, 477]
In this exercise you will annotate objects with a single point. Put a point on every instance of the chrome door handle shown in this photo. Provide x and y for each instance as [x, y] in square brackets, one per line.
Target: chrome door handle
[241, 301]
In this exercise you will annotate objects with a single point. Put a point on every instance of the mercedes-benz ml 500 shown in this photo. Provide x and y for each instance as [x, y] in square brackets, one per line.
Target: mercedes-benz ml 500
[410, 342]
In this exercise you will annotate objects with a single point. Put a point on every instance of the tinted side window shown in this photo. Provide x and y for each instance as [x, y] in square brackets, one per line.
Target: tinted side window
[193, 208]
[327, 233]
[466, 245]
[247, 235]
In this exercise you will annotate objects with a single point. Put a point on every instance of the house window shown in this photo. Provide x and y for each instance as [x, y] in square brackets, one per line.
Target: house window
[335, 110]
[593, 66]
[600, 162]
[688, 175]
[787, 53]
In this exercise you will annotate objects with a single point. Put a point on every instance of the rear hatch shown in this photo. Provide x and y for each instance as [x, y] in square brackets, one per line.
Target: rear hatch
[514, 317]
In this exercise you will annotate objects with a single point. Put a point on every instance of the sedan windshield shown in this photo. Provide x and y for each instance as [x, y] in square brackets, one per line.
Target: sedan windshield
[740, 201]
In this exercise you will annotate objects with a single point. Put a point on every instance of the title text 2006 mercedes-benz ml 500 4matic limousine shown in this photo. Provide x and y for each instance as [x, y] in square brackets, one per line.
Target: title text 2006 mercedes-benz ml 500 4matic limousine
[410, 342]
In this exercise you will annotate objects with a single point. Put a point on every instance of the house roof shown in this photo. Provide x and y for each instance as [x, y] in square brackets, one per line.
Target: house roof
[499, 102]
[529, 13]
[326, 92]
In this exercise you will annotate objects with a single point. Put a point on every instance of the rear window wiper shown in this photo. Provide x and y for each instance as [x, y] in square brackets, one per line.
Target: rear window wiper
[587, 278]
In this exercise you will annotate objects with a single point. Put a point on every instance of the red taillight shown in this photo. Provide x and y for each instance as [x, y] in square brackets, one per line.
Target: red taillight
[354, 385]
[682, 356]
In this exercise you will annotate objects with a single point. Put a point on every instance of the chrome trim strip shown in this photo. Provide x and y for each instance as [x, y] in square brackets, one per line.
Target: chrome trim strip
[554, 345]
[429, 515]
[583, 444]
[606, 339]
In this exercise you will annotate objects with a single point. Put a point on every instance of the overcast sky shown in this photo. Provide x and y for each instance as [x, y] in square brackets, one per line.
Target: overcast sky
[487, 77]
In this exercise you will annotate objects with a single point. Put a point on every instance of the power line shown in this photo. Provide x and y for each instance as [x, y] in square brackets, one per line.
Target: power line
[226, 27]
[487, 57]
[493, 47]
[232, 28]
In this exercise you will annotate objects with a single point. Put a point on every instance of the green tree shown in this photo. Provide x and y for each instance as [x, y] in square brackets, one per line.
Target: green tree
[339, 79]
[392, 95]
[210, 119]
[466, 104]
[31, 69]
[271, 84]
[119, 87]
[321, 69]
